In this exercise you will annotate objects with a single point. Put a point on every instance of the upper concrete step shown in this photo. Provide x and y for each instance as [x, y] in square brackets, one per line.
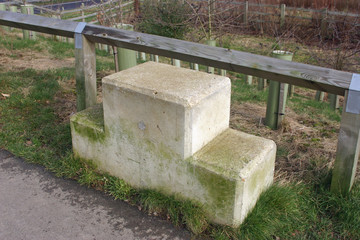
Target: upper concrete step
[180, 108]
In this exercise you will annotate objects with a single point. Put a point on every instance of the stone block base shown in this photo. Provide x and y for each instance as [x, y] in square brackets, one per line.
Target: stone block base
[154, 148]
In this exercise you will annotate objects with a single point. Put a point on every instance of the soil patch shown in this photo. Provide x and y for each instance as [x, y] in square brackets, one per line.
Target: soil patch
[15, 60]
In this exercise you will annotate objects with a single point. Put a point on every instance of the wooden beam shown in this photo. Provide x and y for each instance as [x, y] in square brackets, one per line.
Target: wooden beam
[38, 23]
[85, 65]
[313, 77]
[347, 153]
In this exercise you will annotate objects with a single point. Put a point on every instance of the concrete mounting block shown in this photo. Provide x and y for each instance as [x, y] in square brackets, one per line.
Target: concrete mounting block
[166, 128]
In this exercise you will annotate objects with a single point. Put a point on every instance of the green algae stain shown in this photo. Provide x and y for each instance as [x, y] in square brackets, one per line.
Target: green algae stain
[90, 123]
[221, 191]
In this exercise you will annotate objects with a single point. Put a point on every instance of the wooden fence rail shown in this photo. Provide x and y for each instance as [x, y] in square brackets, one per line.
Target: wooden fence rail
[318, 78]
[95, 13]
[335, 13]
[253, 11]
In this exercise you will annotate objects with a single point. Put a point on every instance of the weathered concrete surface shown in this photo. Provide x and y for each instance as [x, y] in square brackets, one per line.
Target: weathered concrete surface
[36, 205]
[177, 107]
[166, 128]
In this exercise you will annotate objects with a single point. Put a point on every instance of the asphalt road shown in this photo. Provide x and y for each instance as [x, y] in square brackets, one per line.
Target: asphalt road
[34, 204]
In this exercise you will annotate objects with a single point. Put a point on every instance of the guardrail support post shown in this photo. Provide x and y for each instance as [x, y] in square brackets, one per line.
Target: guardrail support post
[319, 96]
[347, 154]
[282, 15]
[334, 101]
[261, 84]
[246, 12]
[85, 65]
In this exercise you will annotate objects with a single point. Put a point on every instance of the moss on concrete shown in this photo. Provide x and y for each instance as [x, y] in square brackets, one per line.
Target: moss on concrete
[221, 193]
[225, 155]
[89, 123]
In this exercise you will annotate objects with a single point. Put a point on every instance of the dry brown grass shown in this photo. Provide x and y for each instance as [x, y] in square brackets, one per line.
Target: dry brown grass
[306, 148]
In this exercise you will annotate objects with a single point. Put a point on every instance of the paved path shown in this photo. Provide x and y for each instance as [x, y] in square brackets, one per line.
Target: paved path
[34, 204]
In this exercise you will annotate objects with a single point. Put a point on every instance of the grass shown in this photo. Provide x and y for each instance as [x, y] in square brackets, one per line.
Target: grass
[30, 127]
[17, 43]
[313, 108]
[301, 104]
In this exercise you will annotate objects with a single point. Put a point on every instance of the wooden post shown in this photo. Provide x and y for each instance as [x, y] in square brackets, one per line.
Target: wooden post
[319, 96]
[282, 15]
[28, 9]
[347, 153]
[261, 84]
[64, 39]
[278, 92]
[323, 24]
[85, 65]
[137, 7]
[246, 12]
[213, 44]
[116, 60]
[291, 90]
[82, 12]
[334, 101]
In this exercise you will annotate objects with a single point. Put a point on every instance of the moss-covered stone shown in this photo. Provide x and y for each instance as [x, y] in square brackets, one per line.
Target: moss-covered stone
[90, 123]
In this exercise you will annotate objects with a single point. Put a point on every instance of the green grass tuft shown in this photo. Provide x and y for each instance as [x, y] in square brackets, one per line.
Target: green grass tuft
[17, 43]
[179, 212]
[243, 92]
[312, 108]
